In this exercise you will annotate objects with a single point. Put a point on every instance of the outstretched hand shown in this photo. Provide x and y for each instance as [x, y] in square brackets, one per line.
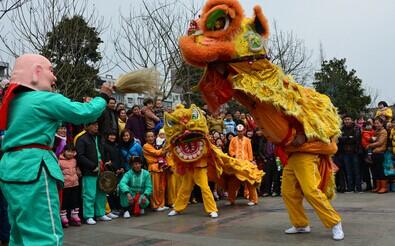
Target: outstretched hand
[106, 89]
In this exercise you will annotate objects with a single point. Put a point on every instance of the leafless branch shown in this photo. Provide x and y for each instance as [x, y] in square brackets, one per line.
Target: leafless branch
[7, 6]
[290, 53]
[149, 38]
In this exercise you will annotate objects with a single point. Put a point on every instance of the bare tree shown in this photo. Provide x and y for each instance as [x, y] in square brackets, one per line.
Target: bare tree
[7, 6]
[149, 38]
[290, 53]
[33, 22]
[35, 19]
[374, 96]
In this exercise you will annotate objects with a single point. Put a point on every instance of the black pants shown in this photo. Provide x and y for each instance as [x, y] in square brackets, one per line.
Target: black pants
[71, 198]
[271, 182]
[340, 177]
[365, 170]
[114, 201]
[351, 163]
[377, 166]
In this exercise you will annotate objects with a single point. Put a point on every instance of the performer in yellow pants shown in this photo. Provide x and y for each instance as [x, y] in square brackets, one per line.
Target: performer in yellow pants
[301, 179]
[234, 186]
[196, 160]
[197, 175]
[173, 185]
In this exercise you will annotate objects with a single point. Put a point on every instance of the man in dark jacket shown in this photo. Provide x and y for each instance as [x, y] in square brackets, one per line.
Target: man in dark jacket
[349, 147]
[136, 124]
[108, 121]
[89, 159]
[264, 155]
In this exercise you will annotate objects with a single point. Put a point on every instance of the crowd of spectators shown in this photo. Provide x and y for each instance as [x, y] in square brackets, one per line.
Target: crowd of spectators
[130, 143]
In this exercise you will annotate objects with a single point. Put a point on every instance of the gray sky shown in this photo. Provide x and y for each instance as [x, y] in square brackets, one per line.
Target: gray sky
[358, 30]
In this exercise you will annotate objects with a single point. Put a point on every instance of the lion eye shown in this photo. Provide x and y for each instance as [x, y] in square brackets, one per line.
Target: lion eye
[169, 123]
[218, 20]
[195, 114]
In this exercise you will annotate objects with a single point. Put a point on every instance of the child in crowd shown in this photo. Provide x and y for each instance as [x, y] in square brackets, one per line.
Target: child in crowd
[367, 135]
[152, 156]
[160, 139]
[135, 188]
[60, 140]
[159, 144]
[71, 195]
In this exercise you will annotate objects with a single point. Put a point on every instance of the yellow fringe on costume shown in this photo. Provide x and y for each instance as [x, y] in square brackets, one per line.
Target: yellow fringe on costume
[244, 170]
[269, 84]
[192, 119]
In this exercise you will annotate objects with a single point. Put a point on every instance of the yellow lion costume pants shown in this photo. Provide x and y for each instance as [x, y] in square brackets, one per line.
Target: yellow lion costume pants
[198, 175]
[301, 179]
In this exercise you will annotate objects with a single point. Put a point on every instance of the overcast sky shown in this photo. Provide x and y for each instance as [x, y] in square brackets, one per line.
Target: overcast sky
[362, 31]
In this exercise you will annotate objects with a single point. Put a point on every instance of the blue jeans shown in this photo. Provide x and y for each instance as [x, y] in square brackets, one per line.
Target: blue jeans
[353, 172]
[4, 225]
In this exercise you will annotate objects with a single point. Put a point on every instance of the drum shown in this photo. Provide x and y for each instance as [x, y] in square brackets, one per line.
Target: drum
[108, 182]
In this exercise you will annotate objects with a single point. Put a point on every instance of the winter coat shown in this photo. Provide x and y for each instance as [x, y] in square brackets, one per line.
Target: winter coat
[350, 140]
[230, 126]
[108, 122]
[150, 118]
[386, 112]
[136, 126]
[129, 150]
[87, 156]
[70, 171]
[121, 125]
[392, 141]
[366, 137]
[112, 153]
[380, 145]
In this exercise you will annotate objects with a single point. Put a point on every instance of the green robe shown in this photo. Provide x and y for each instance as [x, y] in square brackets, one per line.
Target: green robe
[33, 118]
[134, 183]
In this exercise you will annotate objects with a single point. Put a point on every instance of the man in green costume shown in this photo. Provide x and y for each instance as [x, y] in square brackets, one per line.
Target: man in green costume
[29, 170]
[135, 188]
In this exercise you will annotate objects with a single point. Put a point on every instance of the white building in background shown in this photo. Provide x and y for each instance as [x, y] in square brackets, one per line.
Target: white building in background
[131, 99]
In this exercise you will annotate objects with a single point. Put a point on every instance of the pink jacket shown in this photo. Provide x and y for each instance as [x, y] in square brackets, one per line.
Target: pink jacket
[70, 171]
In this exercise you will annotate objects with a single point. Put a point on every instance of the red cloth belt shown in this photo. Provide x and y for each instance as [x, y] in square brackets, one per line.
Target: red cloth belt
[30, 146]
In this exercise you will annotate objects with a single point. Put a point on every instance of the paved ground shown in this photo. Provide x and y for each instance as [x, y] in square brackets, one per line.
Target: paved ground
[368, 219]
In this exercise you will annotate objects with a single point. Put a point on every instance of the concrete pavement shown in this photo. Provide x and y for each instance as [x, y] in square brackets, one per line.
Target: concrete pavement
[368, 219]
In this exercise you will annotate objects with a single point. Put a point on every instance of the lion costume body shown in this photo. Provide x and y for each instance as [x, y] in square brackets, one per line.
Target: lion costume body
[197, 160]
[302, 123]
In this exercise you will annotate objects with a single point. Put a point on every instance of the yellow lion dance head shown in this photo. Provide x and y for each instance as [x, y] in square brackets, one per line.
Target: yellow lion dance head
[186, 129]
